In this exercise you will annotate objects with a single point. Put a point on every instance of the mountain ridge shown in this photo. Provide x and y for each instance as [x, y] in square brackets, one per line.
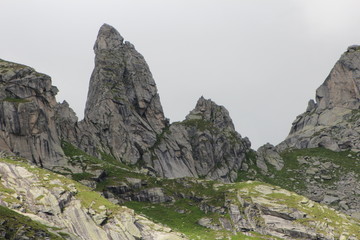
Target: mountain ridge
[127, 150]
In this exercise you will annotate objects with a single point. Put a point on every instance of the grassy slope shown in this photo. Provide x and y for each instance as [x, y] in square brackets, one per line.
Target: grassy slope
[186, 222]
[292, 176]
[87, 196]
[13, 225]
[161, 213]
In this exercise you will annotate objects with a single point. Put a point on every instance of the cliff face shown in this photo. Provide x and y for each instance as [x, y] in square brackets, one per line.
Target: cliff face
[205, 144]
[123, 108]
[319, 158]
[124, 119]
[27, 126]
[333, 120]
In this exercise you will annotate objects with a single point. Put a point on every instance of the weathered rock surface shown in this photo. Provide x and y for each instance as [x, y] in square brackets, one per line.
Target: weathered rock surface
[20, 227]
[124, 119]
[260, 208]
[27, 127]
[248, 207]
[205, 144]
[123, 113]
[342, 194]
[67, 123]
[333, 121]
[81, 214]
[268, 155]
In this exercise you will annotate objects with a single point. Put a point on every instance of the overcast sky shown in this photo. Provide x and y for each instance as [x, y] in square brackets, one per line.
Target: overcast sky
[261, 59]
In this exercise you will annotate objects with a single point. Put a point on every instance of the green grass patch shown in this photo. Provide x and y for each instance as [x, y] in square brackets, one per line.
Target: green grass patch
[15, 100]
[184, 222]
[82, 176]
[13, 222]
[292, 176]
[199, 124]
[6, 190]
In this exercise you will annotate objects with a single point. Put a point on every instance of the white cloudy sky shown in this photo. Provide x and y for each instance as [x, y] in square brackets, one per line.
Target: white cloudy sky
[261, 59]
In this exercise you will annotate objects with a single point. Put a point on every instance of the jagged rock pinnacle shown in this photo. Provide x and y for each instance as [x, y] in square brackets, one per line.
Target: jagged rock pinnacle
[333, 121]
[342, 87]
[108, 39]
[210, 111]
[122, 105]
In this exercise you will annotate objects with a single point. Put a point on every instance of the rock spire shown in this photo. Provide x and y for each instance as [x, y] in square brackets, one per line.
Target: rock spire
[333, 121]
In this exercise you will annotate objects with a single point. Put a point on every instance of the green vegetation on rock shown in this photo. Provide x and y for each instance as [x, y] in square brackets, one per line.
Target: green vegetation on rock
[15, 100]
[16, 226]
[199, 124]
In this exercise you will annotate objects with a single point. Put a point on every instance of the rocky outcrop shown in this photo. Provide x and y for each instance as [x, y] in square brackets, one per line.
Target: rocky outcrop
[241, 208]
[205, 145]
[27, 127]
[17, 226]
[67, 123]
[280, 213]
[71, 208]
[268, 155]
[343, 192]
[123, 113]
[333, 121]
[124, 119]
[342, 87]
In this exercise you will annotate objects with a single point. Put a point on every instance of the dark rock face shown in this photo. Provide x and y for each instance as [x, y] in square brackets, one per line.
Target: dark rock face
[66, 122]
[218, 150]
[205, 144]
[123, 112]
[27, 126]
[124, 119]
[333, 121]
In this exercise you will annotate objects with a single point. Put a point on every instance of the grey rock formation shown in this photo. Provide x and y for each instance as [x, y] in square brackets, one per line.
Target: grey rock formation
[123, 113]
[268, 155]
[124, 119]
[218, 150]
[341, 88]
[270, 216]
[205, 144]
[70, 207]
[343, 192]
[27, 127]
[333, 121]
[66, 122]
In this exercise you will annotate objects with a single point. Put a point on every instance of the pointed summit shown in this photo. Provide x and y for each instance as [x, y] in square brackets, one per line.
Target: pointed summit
[108, 39]
[333, 121]
[342, 87]
[123, 106]
[208, 110]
